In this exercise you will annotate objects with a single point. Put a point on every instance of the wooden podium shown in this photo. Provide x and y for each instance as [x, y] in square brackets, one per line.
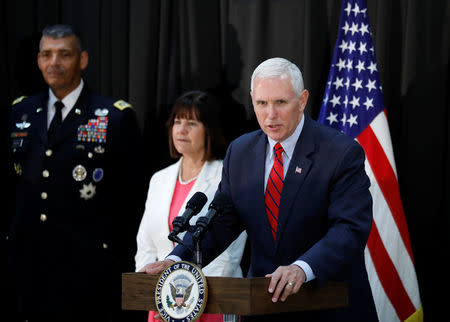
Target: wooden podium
[244, 296]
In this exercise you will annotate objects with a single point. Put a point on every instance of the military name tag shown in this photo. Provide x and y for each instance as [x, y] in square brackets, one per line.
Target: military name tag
[94, 131]
[181, 292]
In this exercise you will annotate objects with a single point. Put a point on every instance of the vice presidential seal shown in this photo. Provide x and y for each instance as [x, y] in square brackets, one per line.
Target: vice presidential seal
[181, 292]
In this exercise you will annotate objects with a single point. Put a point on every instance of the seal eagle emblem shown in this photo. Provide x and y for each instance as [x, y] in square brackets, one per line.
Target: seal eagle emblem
[181, 292]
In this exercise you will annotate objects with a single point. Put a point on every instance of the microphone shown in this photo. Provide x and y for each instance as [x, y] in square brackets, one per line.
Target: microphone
[193, 207]
[216, 207]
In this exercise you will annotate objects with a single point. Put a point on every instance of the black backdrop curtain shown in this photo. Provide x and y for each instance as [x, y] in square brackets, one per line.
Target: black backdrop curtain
[149, 52]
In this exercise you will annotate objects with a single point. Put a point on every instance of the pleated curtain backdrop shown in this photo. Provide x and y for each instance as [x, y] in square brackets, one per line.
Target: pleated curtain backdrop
[149, 52]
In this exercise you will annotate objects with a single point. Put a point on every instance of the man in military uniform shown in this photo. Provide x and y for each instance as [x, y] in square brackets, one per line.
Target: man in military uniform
[79, 193]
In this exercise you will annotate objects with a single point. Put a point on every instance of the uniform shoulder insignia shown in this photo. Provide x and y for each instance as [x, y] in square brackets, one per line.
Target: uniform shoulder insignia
[18, 100]
[121, 105]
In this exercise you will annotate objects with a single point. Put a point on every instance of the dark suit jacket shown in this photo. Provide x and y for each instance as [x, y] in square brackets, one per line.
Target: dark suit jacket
[71, 235]
[325, 213]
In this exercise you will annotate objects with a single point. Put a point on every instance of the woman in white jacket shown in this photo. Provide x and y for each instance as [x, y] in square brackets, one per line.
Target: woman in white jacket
[195, 137]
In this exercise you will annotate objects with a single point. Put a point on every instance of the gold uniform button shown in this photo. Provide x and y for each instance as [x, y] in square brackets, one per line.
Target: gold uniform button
[43, 217]
[44, 195]
[105, 245]
[45, 173]
[49, 152]
[90, 155]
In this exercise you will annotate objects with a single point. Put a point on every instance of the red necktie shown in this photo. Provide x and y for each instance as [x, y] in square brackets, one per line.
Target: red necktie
[273, 189]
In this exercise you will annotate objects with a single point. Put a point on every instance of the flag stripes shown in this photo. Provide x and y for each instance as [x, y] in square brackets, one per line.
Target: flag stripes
[353, 104]
[387, 181]
[388, 276]
[385, 310]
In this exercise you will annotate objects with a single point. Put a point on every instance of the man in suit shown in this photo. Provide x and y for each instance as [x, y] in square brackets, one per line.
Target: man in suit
[300, 191]
[77, 194]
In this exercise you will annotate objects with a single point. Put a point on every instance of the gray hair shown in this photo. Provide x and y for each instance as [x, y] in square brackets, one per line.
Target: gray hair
[279, 67]
[61, 31]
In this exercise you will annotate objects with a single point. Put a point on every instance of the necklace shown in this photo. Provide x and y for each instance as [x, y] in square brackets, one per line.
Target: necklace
[187, 181]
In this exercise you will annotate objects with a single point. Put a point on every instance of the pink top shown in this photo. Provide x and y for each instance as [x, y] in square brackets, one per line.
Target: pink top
[179, 196]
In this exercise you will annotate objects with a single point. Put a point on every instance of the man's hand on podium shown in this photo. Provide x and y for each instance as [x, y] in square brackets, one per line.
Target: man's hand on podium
[286, 279]
[156, 267]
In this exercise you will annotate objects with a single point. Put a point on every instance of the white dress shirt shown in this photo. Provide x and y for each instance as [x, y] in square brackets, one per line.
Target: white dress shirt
[68, 101]
[288, 150]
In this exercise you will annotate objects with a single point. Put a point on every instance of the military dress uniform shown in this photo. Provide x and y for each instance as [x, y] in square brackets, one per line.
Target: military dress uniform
[78, 201]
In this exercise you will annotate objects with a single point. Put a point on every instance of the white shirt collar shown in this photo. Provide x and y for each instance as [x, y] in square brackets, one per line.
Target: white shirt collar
[288, 144]
[68, 101]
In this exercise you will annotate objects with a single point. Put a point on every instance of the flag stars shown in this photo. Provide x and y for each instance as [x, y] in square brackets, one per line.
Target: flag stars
[332, 118]
[372, 67]
[360, 66]
[356, 9]
[352, 120]
[348, 9]
[362, 48]
[335, 100]
[368, 103]
[344, 119]
[345, 102]
[349, 65]
[354, 28]
[341, 64]
[370, 85]
[357, 84]
[351, 46]
[355, 102]
[352, 96]
[346, 27]
[364, 28]
[343, 45]
[347, 83]
[338, 82]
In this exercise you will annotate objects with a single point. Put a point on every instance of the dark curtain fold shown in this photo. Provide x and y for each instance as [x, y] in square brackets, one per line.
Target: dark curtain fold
[149, 52]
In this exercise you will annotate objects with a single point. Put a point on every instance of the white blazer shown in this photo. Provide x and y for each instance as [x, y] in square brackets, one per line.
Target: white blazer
[152, 241]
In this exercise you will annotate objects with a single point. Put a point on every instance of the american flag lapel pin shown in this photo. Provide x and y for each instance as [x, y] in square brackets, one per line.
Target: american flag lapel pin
[298, 170]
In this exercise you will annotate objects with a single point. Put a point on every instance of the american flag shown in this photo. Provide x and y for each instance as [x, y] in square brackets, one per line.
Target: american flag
[353, 104]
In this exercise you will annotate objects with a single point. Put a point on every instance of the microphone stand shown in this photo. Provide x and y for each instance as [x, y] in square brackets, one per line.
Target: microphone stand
[197, 244]
[198, 254]
[201, 227]
[197, 231]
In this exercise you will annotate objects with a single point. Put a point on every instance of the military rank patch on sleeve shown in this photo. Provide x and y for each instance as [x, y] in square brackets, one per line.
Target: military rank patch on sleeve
[121, 105]
[18, 100]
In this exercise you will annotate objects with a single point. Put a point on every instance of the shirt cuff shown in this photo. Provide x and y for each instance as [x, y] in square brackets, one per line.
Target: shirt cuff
[306, 268]
[174, 258]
